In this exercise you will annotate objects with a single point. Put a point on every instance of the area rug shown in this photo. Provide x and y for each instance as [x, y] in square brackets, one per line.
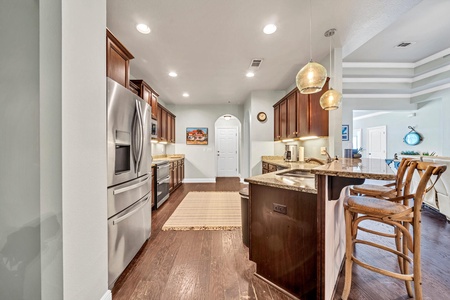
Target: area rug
[207, 211]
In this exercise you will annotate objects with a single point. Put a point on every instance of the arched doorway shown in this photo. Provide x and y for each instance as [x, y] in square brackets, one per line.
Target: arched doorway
[227, 146]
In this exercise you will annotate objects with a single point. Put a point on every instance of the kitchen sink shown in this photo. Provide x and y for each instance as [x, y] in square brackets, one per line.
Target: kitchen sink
[297, 173]
[302, 178]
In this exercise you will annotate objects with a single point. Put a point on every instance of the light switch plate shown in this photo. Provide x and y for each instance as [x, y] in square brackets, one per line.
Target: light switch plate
[322, 150]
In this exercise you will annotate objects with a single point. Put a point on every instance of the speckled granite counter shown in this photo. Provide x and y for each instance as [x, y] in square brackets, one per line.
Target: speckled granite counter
[273, 179]
[288, 165]
[367, 168]
[168, 157]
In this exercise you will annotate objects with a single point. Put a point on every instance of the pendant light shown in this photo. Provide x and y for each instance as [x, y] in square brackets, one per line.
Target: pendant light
[311, 78]
[331, 99]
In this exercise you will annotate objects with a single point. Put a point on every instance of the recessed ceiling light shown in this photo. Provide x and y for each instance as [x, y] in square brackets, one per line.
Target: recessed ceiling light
[143, 28]
[270, 28]
[173, 74]
[185, 95]
[250, 74]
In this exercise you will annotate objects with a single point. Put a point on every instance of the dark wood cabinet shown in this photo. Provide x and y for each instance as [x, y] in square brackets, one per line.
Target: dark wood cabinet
[302, 114]
[283, 119]
[154, 105]
[117, 60]
[276, 123]
[318, 117]
[176, 169]
[166, 125]
[299, 115]
[267, 167]
[147, 93]
[291, 119]
[172, 173]
[283, 238]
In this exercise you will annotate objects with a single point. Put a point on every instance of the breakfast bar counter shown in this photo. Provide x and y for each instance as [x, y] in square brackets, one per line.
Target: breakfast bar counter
[297, 228]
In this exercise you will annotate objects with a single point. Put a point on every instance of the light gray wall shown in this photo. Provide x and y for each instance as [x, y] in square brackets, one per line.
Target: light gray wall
[261, 133]
[50, 149]
[83, 116]
[200, 160]
[20, 265]
[427, 121]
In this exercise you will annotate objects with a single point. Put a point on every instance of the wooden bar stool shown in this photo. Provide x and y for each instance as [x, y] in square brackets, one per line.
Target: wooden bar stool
[397, 213]
[384, 191]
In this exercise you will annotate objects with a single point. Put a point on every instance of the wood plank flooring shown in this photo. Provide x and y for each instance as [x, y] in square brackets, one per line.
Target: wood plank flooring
[214, 265]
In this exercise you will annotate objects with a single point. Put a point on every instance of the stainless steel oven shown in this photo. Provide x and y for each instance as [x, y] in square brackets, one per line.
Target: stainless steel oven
[162, 178]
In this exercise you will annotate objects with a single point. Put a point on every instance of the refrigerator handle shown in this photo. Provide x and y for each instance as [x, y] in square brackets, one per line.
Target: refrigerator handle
[140, 135]
[131, 187]
[134, 137]
[127, 215]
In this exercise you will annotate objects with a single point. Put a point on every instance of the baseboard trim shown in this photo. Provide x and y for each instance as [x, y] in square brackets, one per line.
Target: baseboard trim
[199, 180]
[107, 295]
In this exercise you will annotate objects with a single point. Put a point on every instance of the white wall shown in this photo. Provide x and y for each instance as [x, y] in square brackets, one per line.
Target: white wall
[83, 115]
[261, 133]
[200, 160]
[428, 122]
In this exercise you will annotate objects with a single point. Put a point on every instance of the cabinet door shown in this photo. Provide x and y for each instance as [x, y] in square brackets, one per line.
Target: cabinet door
[173, 129]
[169, 128]
[146, 94]
[163, 124]
[154, 105]
[291, 122]
[172, 173]
[160, 123]
[283, 119]
[319, 116]
[302, 114]
[180, 169]
[117, 60]
[276, 123]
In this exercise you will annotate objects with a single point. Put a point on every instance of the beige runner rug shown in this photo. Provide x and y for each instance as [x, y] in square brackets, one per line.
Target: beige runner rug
[207, 211]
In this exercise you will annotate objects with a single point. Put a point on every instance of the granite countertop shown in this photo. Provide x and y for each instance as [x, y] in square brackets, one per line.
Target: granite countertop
[273, 179]
[279, 161]
[168, 157]
[368, 168]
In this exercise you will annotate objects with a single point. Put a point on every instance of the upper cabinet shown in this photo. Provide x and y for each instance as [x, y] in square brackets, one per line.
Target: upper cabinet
[299, 115]
[117, 60]
[147, 93]
[118, 68]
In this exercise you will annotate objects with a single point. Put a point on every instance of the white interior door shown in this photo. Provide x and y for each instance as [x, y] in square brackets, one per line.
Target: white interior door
[227, 152]
[376, 142]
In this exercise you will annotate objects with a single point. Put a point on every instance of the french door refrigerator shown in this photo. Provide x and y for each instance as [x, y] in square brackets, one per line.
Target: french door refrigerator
[129, 176]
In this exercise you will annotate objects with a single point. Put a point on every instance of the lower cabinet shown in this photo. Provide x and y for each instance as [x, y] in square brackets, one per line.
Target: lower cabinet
[176, 170]
[283, 238]
[153, 185]
[267, 168]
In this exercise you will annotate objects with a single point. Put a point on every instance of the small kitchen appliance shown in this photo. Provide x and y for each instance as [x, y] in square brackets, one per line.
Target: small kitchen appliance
[290, 153]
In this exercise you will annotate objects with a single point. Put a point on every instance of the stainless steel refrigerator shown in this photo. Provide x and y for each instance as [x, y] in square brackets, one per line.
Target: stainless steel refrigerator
[129, 176]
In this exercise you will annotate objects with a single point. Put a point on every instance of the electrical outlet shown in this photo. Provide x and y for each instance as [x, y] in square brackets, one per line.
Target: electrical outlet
[322, 150]
[279, 208]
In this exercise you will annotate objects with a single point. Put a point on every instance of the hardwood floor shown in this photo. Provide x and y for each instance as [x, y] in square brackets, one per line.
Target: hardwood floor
[214, 264]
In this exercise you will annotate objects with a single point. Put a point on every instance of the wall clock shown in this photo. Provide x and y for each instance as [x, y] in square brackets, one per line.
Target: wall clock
[262, 117]
[412, 138]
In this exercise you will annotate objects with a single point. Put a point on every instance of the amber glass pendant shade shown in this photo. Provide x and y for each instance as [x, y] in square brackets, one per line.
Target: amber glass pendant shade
[311, 78]
[331, 99]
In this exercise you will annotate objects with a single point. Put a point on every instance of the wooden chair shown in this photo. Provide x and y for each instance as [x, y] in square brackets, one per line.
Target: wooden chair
[397, 213]
[384, 191]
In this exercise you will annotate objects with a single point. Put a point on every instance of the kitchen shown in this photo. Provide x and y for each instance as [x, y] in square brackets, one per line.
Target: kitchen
[64, 189]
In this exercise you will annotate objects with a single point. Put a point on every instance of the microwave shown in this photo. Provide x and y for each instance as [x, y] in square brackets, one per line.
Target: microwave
[154, 129]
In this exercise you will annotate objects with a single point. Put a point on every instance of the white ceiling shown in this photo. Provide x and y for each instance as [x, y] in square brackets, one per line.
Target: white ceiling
[210, 43]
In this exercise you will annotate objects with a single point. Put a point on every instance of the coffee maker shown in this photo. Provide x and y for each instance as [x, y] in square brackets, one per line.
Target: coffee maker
[290, 153]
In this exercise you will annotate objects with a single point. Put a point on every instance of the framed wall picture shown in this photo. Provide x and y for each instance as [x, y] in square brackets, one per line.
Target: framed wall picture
[196, 136]
[345, 132]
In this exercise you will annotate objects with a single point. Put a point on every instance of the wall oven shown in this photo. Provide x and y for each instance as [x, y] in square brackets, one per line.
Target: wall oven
[162, 178]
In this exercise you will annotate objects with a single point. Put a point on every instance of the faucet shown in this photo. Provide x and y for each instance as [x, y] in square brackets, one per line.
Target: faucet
[329, 159]
[314, 159]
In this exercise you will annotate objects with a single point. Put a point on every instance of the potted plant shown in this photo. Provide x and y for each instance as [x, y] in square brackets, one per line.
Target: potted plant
[357, 153]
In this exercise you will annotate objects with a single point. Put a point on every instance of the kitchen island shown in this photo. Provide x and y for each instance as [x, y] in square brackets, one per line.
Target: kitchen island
[297, 230]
